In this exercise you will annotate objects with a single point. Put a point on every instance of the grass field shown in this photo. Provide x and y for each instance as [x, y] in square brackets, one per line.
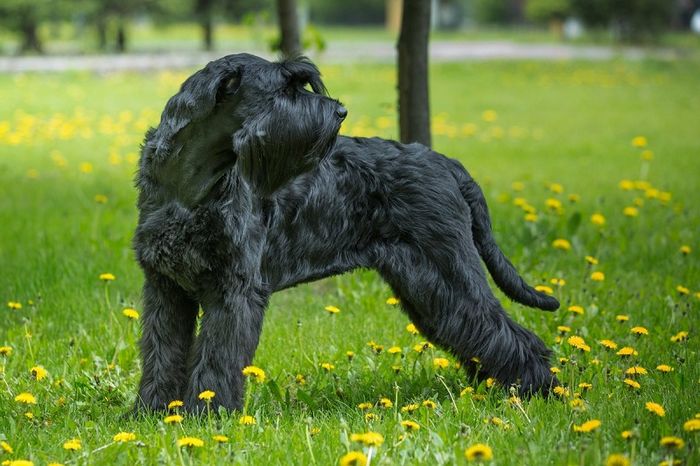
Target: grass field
[576, 159]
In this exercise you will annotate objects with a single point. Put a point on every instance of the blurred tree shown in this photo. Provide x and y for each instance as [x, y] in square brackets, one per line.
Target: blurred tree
[288, 18]
[117, 14]
[414, 105]
[497, 11]
[204, 10]
[551, 12]
[339, 12]
[630, 20]
[23, 17]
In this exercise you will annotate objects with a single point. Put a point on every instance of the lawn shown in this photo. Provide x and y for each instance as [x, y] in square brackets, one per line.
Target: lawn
[591, 171]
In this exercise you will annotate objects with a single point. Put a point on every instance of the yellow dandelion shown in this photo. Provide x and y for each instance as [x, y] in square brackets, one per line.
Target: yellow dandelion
[563, 329]
[576, 309]
[609, 344]
[682, 290]
[409, 408]
[394, 350]
[561, 243]
[639, 142]
[627, 351]
[692, 425]
[655, 408]
[490, 382]
[72, 444]
[18, 463]
[410, 426]
[554, 370]
[532, 218]
[632, 384]
[124, 437]
[130, 313]
[247, 421]
[478, 452]
[206, 395]
[369, 417]
[350, 355]
[672, 442]
[556, 188]
[585, 386]
[190, 442]
[588, 426]
[100, 198]
[441, 363]
[544, 289]
[14, 305]
[598, 219]
[489, 116]
[353, 458]
[627, 434]
[38, 372]
[636, 370]
[561, 391]
[420, 347]
[5, 351]
[647, 155]
[574, 198]
[26, 398]
[466, 391]
[517, 186]
[680, 336]
[626, 185]
[386, 403]
[332, 309]
[365, 405]
[591, 260]
[175, 404]
[430, 404]
[220, 438]
[370, 439]
[553, 204]
[685, 250]
[410, 328]
[639, 331]
[630, 211]
[173, 419]
[107, 277]
[617, 459]
[4, 446]
[665, 368]
[622, 318]
[597, 276]
[578, 343]
[326, 366]
[255, 373]
[392, 301]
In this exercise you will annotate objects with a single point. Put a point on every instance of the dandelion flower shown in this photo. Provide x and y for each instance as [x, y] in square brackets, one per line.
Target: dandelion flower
[173, 419]
[561, 391]
[597, 276]
[206, 395]
[72, 444]
[554, 370]
[410, 328]
[420, 347]
[4, 446]
[409, 408]
[410, 426]
[14, 305]
[392, 301]
[639, 331]
[585, 386]
[386, 403]
[430, 404]
[672, 442]
[680, 336]
[682, 290]
[175, 404]
[220, 438]
[26, 398]
[130, 313]
[622, 318]
[636, 370]
[18, 463]
[563, 329]
[256, 373]
[489, 116]
[609, 344]
[365, 405]
[247, 421]
[553, 204]
[124, 437]
[326, 366]
[332, 309]
[576, 309]
[665, 368]
[591, 260]
[38, 372]
[301, 380]
[532, 218]
[107, 277]
[692, 425]
[5, 351]
[630, 211]
[191, 442]
[562, 244]
[685, 250]
[578, 343]
[627, 351]
[627, 434]
[632, 383]
[639, 142]
[466, 391]
[353, 458]
[655, 408]
[588, 426]
[617, 459]
[544, 289]
[370, 439]
[441, 363]
[598, 219]
[556, 188]
[394, 350]
[478, 452]
[626, 185]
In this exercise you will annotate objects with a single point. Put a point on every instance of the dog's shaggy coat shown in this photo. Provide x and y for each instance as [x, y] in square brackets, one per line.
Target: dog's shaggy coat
[246, 189]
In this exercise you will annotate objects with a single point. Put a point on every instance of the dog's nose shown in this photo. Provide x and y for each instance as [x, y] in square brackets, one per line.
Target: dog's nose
[342, 112]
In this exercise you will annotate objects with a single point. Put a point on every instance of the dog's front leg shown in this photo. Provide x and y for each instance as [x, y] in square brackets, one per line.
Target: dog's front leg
[230, 330]
[168, 327]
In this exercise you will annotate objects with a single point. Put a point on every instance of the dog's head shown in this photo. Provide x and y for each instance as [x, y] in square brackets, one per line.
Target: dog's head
[271, 121]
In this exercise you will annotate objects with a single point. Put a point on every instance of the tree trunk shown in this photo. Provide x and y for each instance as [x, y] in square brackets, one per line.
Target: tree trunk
[30, 36]
[414, 105]
[289, 27]
[208, 31]
[101, 25]
[121, 36]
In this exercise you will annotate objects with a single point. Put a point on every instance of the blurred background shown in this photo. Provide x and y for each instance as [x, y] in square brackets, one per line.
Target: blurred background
[75, 27]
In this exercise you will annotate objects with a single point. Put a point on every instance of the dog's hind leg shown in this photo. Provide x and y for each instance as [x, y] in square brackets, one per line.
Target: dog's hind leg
[168, 322]
[452, 305]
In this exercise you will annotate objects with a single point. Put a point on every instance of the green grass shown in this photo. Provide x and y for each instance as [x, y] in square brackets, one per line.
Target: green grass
[66, 138]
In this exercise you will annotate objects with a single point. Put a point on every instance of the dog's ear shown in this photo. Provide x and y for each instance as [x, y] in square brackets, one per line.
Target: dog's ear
[229, 86]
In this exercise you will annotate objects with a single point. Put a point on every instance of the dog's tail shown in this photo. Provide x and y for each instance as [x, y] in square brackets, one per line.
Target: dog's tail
[500, 268]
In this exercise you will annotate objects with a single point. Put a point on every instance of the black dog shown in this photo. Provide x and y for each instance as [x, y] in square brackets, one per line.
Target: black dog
[246, 189]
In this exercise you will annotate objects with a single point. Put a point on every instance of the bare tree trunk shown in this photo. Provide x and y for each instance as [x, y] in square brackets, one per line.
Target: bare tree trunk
[414, 104]
[121, 36]
[30, 35]
[203, 11]
[101, 25]
[289, 27]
